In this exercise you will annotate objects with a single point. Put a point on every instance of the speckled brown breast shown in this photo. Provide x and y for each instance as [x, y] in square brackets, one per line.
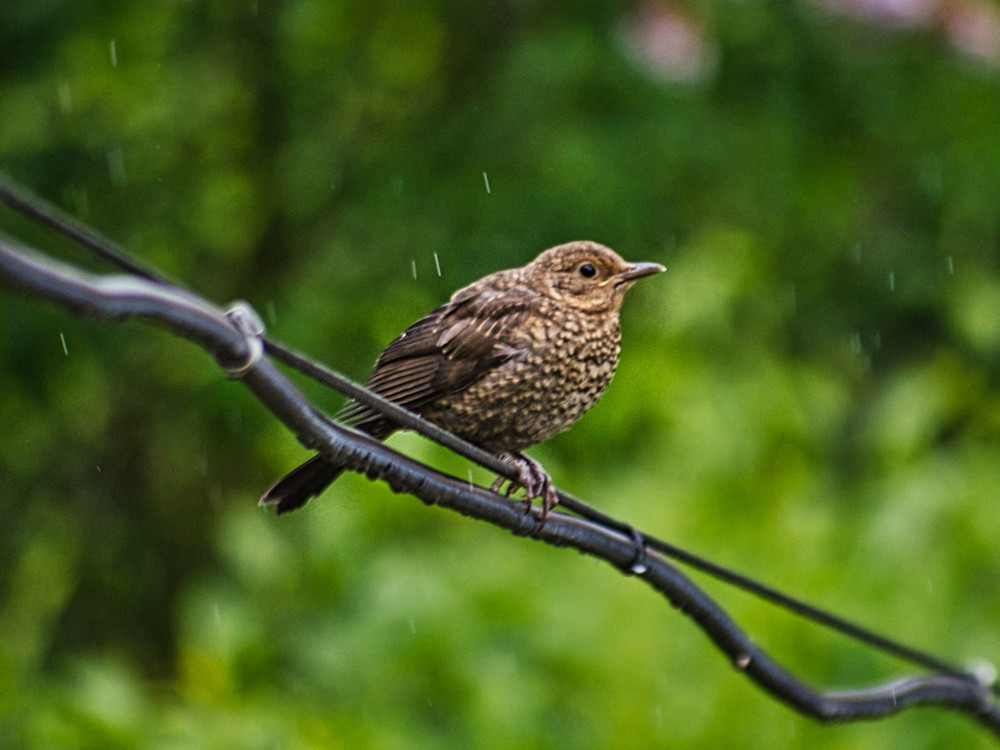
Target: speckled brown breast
[568, 360]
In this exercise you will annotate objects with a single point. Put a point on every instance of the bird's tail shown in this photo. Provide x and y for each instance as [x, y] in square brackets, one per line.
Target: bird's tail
[300, 484]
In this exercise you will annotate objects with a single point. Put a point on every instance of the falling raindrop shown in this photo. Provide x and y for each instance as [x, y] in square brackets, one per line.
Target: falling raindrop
[116, 166]
[64, 95]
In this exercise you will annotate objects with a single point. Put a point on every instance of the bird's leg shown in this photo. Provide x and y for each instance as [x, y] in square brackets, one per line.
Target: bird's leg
[532, 477]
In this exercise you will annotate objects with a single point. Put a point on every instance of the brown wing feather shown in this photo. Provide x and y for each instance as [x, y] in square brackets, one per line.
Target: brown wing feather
[445, 352]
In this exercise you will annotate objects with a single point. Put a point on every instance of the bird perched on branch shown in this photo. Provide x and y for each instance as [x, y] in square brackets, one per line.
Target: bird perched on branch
[508, 362]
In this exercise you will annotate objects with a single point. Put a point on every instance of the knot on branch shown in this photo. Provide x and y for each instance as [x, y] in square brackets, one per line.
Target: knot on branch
[246, 320]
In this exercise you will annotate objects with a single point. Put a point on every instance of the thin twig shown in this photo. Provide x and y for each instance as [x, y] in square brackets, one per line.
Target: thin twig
[36, 207]
[415, 422]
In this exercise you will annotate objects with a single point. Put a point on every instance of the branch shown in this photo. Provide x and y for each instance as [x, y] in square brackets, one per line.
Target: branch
[235, 345]
[38, 209]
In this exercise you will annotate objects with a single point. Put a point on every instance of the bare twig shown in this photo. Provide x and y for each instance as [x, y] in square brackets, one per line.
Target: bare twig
[34, 206]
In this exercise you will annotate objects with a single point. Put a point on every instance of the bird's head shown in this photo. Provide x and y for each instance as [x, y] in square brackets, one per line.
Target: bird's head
[585, 275]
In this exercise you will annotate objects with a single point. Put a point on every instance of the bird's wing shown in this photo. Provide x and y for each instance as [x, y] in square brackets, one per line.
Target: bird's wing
[448, 350]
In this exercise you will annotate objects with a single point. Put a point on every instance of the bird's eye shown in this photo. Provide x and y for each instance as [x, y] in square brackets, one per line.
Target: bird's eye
[587, 271]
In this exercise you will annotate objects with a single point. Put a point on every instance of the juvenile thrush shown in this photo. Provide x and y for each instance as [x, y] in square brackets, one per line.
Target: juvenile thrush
[508, 362]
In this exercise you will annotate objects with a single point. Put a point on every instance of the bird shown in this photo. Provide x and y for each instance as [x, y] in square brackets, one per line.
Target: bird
[509, 361]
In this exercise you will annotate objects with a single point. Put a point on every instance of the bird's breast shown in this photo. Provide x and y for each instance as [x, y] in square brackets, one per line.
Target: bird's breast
[565, 363]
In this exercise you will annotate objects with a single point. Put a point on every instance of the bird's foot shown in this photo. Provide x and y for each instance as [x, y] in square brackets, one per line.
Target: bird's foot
[533, 478]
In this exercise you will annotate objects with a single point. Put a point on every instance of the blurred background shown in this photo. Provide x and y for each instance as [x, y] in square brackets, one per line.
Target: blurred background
[810, 394]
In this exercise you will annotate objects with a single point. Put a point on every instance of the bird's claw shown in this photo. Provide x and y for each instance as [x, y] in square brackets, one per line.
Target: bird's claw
[533, 478]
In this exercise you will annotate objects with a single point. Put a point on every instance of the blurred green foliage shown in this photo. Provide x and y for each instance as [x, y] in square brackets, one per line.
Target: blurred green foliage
[810, 394]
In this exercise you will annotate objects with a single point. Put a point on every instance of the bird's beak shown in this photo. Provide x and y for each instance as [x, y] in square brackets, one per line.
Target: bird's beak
[637, 271]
